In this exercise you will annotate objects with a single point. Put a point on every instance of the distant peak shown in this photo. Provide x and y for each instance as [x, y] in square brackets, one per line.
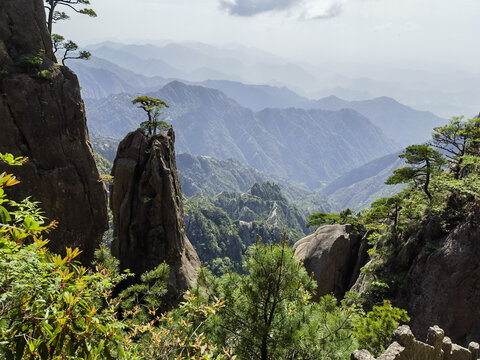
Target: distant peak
[332, 97]
[386, 99]
[267, 191]
[176, 84]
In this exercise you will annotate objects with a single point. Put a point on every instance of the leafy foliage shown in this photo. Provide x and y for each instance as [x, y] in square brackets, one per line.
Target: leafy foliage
[346, 216]
[31, 63]
[68, 46]
[424, 161]
[375, 330]
[54, 308]
[457, 139]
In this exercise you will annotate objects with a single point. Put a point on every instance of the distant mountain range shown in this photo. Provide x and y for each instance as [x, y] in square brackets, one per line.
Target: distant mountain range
[198, 62]
[100, 78]
[277, 131]
[306, 146]
[445, 93]
[405, 125]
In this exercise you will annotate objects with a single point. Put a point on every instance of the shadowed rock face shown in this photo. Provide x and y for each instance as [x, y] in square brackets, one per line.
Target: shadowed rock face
[147, 205]
[444, 284]
[331, 254]
[43, 117]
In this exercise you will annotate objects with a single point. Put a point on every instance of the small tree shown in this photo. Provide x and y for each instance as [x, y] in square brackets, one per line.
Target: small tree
[346, 216]
[68, 47]
[457, 139]
[384, 209]
[424, 162]
[53, 15]
[268, 313]
[152, 107]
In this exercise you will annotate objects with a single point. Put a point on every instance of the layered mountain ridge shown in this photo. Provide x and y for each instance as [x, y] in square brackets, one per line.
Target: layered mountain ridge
[268, 140]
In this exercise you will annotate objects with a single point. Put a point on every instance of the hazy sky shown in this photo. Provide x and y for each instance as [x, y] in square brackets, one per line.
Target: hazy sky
[410, 33]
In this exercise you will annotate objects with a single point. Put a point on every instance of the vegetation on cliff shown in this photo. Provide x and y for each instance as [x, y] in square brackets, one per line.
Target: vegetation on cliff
[442, 189]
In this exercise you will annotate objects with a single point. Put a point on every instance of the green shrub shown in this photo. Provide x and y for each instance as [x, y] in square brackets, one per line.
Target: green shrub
[375, 330]
[30, 62]
[45, 74]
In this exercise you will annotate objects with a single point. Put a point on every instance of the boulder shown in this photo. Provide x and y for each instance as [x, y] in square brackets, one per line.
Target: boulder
[331, 254]
[147, 206]
[43, 118]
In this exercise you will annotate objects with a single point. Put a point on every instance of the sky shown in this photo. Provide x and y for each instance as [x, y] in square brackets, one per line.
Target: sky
[424, 34]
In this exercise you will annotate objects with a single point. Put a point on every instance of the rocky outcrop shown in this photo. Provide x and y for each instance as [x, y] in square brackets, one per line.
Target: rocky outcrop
[147, 205]
[444, 280]
[43, 117]
[332, 255]
[436, 347]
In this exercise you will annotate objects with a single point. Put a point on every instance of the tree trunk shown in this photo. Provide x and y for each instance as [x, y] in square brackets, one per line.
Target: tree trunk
[264, 349]
[50, 16]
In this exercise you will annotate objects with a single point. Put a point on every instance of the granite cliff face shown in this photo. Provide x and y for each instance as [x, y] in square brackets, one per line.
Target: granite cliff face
[147, 205]
[43, 117]
[444, 279]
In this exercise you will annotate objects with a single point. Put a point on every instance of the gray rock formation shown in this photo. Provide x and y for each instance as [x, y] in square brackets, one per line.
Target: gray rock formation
[43, 117]
[147, 206]
[436, 347]
[331, 254]
[443, 284]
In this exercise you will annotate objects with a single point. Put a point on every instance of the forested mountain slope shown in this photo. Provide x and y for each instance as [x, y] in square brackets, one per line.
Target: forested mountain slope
[222, 227]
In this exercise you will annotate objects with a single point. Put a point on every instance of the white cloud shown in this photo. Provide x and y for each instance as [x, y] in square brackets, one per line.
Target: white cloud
[254, 7]
[316, 10]
[303, 9]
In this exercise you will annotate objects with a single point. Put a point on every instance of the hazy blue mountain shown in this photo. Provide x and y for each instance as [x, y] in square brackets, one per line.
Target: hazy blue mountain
[137, 64]
[343, 93]
[248, 55]
[358, 188]
[399, 122]
[183, 57]
[192, 61]
[99, 78]
[257, 97]
[310, 146]
[205, 73]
